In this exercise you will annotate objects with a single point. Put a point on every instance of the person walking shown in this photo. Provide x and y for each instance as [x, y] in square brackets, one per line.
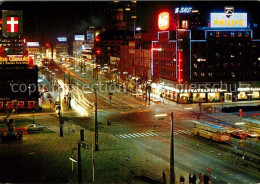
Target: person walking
[194, 179]
[190, 179]
[201, 178]
[164, 177]
[182, 180]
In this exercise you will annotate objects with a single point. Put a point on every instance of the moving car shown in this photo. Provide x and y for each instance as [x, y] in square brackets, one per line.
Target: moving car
[34, 127]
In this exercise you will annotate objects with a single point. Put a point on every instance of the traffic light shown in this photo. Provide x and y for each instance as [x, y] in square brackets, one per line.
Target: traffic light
[98, 52]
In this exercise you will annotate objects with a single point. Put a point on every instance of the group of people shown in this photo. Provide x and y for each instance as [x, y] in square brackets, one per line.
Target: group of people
[203, 179]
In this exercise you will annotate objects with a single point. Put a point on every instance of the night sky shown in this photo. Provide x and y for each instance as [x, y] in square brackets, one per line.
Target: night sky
[43, 21]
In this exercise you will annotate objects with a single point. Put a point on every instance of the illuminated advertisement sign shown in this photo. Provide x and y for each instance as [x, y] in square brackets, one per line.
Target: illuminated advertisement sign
[79, 37]
[183, 10]
[224, 20]
[15, 59]
[33, 44]
[61, 39]
[163, 20]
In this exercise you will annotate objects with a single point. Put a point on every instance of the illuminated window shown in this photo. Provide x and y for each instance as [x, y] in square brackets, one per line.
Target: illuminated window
[184, 24]
[195, 74]
[195, 65]
[202, 74]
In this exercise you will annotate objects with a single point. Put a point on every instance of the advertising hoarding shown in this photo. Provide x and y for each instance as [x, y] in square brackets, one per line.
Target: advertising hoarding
[79, 37]
[222, 20]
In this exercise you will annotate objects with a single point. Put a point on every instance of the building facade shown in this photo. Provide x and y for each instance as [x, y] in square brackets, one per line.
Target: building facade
[218, 62]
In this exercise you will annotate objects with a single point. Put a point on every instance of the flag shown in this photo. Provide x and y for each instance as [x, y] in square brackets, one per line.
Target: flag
[12, 23]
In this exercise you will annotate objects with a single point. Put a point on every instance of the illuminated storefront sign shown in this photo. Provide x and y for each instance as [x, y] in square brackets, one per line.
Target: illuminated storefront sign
[163, 20]
[33, 44]
[79, 37]
[15, 59]
[61, 39]
[224, 20]
[183, 10]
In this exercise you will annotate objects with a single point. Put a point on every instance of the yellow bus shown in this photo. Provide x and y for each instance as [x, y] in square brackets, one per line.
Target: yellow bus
[211, 131]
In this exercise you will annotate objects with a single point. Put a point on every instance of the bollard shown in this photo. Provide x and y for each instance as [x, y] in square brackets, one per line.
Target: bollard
[82, 135]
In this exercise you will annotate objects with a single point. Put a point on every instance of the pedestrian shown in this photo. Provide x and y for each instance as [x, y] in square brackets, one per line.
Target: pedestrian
[182, 180]
[201, 178]
[164, 177]
[190, 179]
[206, 179]
[194, 179]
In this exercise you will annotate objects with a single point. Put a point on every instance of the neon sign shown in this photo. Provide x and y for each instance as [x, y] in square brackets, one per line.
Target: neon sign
[163, 20]
[180, 67]
[183, 10]
[222, 20]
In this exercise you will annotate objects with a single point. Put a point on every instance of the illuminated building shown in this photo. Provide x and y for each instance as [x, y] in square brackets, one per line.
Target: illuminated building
[61, 46]
[224, 55]
[121, 15]
[18, 74]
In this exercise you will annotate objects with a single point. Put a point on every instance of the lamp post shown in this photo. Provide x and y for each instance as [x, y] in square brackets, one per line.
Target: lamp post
[172, 174]
[96, 123]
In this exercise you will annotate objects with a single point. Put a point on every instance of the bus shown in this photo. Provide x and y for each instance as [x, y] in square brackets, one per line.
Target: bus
[211, 131]
[252, 125]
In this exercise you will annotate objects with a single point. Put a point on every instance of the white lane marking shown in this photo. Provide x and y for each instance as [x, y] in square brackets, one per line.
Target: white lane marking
[224, 172]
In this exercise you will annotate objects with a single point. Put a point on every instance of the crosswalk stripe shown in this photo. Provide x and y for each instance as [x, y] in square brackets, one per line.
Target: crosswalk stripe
[153, 133]
[131, 135]
[137, 135]
[126, 135]
[150, 134]
[145, 134]
[140, 134]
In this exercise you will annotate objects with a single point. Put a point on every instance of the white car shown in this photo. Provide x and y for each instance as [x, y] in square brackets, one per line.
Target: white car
[34, 127]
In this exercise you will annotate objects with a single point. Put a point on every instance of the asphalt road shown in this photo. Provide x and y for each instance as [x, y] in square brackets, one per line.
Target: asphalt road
[134, 121]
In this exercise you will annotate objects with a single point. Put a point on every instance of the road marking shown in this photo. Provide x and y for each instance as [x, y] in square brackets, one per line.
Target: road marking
[153, 133]
[137, 135]
[133, 135]
[237, 177]
[187, 164]
[224, 172]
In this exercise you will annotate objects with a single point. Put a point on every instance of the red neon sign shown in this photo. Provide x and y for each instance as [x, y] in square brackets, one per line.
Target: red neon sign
[164, 20]
[180, 67]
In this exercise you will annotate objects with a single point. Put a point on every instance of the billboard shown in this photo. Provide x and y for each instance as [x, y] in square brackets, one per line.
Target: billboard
[79, 37]
[62, 39]
[224, 20]
[164, 21]
[33, 44]
[12, 22]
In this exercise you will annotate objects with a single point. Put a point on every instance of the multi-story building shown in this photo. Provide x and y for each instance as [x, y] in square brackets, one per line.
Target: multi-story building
[121, 15]
[61, 47]
[206, 64]
[18, 74]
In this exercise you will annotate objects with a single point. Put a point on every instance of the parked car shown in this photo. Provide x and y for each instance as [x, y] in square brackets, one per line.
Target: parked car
[34, 127]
